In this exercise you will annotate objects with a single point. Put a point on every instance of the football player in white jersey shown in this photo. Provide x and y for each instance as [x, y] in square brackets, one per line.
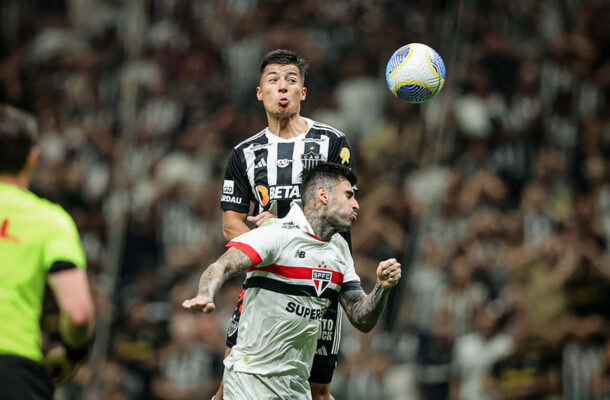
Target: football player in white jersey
[294, 267]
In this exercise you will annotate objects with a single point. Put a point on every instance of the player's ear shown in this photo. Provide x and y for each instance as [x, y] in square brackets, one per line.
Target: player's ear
[304, 94]
[322, 195]
[259, 96]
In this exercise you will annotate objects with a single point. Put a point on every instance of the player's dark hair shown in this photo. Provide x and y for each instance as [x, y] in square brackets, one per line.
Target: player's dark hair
[18, 135]
[324, 174]
[285, 57]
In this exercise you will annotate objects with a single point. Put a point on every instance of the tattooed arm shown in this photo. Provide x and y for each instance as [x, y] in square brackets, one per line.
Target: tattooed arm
[231, 263]
[364, 310]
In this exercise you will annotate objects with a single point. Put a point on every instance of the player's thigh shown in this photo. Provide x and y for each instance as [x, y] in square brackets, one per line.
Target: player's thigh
[243, 386]
[23, 379]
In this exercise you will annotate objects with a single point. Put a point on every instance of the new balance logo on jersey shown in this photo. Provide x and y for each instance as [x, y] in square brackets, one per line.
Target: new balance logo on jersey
[321, 279]
[261, 163]
[299, 254]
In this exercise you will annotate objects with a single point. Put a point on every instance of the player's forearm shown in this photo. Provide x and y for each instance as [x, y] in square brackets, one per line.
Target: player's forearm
[212, 279]
[364, 310]
[231, 263]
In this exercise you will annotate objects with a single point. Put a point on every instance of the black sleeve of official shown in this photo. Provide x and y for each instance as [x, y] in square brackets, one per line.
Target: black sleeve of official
[61, 266]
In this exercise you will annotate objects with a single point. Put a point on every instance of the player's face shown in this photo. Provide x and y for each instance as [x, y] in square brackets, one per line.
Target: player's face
[343, 206]
[281, 90]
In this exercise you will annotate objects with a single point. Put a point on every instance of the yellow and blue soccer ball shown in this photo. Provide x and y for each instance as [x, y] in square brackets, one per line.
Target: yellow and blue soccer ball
[415, 73]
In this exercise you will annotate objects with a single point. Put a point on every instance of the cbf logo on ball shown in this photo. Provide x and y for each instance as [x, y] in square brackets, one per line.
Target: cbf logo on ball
[415, 73]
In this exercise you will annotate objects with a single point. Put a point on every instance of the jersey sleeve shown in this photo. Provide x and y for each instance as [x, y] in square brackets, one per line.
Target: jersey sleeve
[62, 248]
[236, 191]
[340, 152]
[351, 280]
[262, 244]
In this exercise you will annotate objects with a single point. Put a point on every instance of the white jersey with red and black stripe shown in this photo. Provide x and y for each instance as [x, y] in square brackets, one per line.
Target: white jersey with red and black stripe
[295, 277]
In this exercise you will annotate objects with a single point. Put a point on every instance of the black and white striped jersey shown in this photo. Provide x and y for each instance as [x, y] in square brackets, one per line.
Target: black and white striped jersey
[266, 169]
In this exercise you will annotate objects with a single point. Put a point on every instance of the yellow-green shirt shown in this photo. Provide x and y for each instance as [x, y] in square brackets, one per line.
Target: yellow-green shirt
[35, 236]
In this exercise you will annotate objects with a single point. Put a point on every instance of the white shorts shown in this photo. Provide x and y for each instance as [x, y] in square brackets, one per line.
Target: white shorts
[243, 386]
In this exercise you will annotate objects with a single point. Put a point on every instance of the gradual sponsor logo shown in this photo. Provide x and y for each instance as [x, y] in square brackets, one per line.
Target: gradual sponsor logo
[284, 162]
[227, 187]
[321, 280]
[230, 199]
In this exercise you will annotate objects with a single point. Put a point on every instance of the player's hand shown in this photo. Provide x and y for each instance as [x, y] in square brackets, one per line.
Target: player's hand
[199, 304]
[260, 218]
[58, 367]
[389, 273]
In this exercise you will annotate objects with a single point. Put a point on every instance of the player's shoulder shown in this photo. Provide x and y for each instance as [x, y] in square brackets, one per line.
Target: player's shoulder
[325, 129]
[254, 140]
[338, 240]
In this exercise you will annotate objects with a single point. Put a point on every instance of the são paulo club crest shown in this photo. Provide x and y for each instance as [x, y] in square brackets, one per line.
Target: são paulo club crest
[321, 279]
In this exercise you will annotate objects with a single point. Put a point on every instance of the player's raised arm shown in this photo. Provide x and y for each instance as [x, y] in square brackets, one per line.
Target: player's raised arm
[364, 310]
[231, 263]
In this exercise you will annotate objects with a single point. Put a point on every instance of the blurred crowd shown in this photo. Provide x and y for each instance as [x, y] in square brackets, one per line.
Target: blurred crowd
[495, 195]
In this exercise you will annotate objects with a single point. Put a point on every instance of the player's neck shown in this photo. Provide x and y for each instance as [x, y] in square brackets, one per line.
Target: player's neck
[20, 180]
[319, 223]
[287, 127]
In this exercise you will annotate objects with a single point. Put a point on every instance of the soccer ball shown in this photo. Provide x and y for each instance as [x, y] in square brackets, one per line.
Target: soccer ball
[415, 73]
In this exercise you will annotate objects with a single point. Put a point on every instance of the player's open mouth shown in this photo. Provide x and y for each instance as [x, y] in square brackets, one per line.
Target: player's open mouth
[354, 217]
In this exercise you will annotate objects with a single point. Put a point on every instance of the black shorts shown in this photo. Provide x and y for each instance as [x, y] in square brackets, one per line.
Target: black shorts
[325, 359]
[23, 379]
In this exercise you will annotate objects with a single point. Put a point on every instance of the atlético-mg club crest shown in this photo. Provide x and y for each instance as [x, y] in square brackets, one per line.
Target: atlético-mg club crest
[321, 279]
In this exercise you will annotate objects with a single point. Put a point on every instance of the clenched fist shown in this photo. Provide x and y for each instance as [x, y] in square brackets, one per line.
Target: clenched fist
[389, 273]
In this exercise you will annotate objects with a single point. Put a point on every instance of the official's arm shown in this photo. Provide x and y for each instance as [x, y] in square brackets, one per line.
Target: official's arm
[76, 320]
